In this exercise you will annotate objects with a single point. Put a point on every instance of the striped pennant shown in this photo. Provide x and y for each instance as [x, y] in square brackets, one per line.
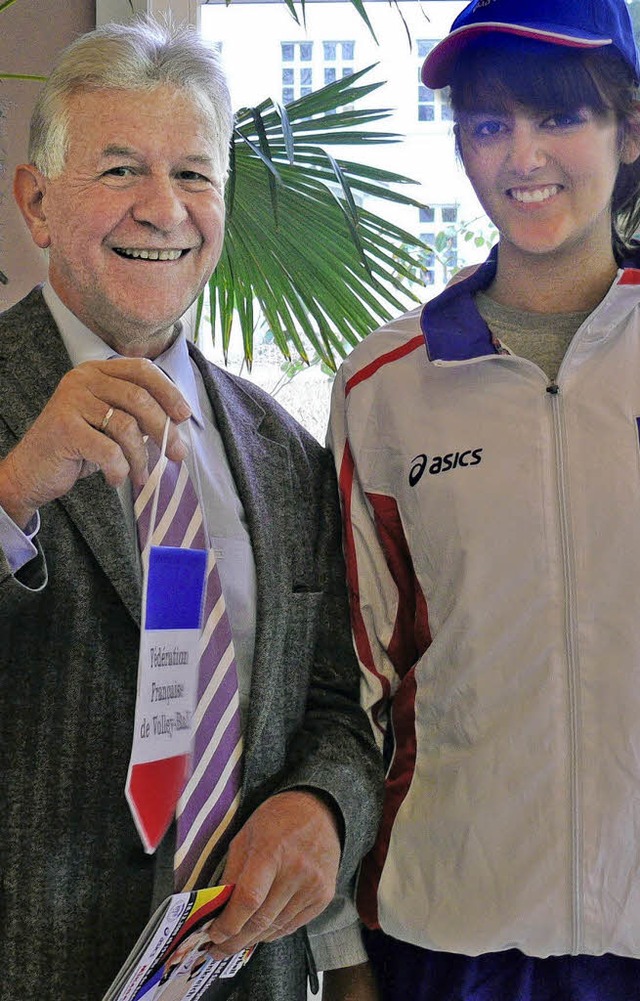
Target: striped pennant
[211, 795]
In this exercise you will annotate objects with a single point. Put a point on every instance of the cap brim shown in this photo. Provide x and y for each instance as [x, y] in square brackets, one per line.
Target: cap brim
[437, 67]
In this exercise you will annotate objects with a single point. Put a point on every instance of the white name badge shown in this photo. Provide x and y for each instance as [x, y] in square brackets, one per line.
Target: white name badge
[166, 700]
[173, 596]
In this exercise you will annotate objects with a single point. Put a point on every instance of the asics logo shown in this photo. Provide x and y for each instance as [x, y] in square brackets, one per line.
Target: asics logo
[435, 464]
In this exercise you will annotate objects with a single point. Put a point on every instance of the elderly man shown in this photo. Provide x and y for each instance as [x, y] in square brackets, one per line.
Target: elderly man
[124, 189]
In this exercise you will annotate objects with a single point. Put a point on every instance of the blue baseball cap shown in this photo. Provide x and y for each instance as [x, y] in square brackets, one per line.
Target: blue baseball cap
[581, 24]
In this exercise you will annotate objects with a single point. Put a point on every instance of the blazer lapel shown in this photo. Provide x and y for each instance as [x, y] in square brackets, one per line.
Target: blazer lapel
[32, 362]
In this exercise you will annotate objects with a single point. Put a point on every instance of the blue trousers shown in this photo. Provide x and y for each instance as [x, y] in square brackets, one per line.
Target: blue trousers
[408, 973]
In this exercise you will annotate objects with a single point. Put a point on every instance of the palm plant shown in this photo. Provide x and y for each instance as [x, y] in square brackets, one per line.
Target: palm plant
[323, 271]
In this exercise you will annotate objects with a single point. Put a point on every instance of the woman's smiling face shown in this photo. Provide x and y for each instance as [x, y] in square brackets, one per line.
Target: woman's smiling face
[545, 179]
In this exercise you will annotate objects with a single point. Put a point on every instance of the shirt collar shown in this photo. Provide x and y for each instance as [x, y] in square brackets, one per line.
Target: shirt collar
[83, 345]
[176, 363]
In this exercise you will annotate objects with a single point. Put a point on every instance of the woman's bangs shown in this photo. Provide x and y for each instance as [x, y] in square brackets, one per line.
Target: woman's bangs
[530, 74]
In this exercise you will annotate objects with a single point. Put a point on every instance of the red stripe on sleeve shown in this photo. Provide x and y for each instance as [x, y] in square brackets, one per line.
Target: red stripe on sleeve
[397, 785]
[410, 639]
[361, 639]
[411, 635]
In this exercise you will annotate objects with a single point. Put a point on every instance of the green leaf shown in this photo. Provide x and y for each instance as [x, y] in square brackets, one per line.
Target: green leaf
[21, 76]
[199, 312]
[266, 152]
[266, 159]
[286, 130]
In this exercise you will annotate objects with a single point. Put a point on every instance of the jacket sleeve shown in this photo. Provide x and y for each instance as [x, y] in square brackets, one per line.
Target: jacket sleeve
[388, 610]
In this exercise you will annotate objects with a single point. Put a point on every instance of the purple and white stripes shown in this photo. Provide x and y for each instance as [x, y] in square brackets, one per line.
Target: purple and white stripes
[210, 798]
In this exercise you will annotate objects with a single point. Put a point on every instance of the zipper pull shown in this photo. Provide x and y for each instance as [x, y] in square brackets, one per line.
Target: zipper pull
[553, 389]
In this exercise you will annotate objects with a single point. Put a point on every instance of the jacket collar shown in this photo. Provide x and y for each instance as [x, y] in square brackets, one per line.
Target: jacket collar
[451, 324]
[452, 327]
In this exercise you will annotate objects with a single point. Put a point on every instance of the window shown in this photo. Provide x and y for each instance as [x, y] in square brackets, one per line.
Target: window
[305, 67]
[432, 107]
[438, 228]
[338, 60]
[297, 69]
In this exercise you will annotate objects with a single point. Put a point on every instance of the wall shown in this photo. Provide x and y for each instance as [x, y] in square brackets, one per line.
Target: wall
[32, 32]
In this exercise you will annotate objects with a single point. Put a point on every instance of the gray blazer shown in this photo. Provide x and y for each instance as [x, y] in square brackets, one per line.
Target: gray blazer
[76, 886]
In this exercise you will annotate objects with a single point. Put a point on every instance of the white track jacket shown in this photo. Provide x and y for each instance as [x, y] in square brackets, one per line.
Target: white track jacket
[492, 538]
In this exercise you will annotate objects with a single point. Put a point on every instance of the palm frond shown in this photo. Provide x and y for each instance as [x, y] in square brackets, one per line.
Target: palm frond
[291, 7]
[323, 270]
[21, 76]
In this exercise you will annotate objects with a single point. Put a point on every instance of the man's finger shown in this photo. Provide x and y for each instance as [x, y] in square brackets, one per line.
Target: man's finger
[124, 429]
[260, 923]
[137, 388]
[252, 889]
[292, 918]
[143, 373]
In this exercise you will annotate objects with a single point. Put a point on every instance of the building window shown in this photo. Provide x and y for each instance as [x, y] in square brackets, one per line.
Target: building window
[439, 228]
[432, 107]
[338, 60]
[297, 70]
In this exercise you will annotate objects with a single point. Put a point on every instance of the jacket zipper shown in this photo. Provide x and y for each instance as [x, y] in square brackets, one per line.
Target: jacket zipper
[568, 564]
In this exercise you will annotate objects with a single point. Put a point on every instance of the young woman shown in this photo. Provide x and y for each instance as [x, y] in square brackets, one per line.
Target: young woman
[488, 448]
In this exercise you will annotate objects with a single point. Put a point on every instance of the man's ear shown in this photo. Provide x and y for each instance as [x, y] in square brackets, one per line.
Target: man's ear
[29, 188]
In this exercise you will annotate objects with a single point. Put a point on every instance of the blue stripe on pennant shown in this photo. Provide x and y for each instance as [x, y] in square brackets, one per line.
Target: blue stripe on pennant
[175, 588]
[638, 425]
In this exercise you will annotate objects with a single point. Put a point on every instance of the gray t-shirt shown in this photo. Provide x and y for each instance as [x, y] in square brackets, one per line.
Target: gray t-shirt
[543, 338]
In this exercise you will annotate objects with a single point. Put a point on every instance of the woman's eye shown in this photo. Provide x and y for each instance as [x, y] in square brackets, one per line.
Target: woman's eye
[564, 119]
[489, 127]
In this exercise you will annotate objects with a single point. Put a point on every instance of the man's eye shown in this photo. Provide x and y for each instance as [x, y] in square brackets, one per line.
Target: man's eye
[194, 176]
[119, 172]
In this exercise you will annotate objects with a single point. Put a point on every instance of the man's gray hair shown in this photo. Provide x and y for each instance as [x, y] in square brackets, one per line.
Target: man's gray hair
[140, 55]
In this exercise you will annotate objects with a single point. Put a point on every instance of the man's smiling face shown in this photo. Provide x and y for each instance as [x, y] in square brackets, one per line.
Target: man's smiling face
[134, 223]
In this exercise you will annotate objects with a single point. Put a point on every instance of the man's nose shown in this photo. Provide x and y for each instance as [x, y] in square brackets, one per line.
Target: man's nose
[526, 150]
[159, 204]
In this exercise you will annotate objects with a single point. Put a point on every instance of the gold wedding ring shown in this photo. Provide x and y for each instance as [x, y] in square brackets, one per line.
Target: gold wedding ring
[105, 420]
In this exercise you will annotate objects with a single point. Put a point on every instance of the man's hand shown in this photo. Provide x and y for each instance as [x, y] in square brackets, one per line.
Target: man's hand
[354, 983]
[284, 863]
[70, 439]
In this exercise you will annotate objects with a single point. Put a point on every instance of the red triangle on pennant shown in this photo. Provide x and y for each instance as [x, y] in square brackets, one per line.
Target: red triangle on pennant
[153, 790]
